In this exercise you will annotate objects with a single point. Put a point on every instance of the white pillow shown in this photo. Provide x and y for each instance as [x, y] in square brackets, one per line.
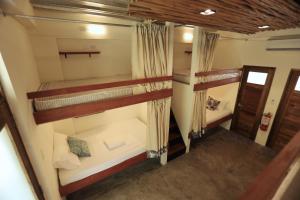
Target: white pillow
[62, 157]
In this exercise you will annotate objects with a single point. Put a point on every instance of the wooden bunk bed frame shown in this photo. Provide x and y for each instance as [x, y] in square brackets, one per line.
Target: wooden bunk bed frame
[219, 121]
[80, 184]
[216, 83]
[215, 123]
[97, 106]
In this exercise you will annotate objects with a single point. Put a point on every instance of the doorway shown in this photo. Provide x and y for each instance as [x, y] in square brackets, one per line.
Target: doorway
[252, 96]
[287, 120]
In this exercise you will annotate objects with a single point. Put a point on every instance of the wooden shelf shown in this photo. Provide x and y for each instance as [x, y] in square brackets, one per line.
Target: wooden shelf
[66, 53]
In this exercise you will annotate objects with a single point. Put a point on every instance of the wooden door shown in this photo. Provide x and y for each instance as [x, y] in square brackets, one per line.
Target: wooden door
[287, 120]
[251, 99]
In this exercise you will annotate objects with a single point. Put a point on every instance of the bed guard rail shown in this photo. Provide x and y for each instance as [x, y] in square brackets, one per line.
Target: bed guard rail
[217, 78]
[89, 108]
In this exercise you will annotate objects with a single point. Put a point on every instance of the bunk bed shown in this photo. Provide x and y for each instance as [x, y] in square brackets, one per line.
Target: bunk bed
[184, 94]
[213, 79]
[216, 117]
[66, 99]
[217, 78]
[105, 161]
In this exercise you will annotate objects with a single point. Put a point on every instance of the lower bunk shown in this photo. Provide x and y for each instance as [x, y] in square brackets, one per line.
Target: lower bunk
[214, 118]
[112, 147]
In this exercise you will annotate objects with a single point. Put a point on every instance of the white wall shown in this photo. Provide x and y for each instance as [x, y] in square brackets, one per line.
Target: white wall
[50, 37]
[236, 53]
[19, 75]
[254, 53]
[226, 93]
[114, 59]
[47, 58]
[228, 54]
[76, 125]
[182, 106]
[182, 60]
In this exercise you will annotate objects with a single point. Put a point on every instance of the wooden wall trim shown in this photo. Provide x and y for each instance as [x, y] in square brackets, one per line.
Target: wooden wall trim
[77, 185]
[218, 72]
[211, 84]
[2, 123]
[2, 117]
[98, 106]
[6, 118]
[71, 90]
[268, 181]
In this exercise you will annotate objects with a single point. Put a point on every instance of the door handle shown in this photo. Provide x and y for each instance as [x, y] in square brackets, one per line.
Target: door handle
[240, 105]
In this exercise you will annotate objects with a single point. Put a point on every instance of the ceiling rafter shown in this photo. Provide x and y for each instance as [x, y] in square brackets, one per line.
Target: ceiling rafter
[243, 16]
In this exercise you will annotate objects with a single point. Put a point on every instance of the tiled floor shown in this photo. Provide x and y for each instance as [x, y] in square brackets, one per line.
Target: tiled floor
[219, 167]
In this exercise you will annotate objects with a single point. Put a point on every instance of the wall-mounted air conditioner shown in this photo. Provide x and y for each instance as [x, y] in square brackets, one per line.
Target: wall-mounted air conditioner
[283, 43]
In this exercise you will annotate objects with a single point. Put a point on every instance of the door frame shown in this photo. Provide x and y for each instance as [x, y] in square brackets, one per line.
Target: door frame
[265, 94]
[280, 110]
[7, 119]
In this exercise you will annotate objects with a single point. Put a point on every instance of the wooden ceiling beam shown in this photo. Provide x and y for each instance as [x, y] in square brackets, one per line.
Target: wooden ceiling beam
[170, 18]
[243, 16]
[158, 11]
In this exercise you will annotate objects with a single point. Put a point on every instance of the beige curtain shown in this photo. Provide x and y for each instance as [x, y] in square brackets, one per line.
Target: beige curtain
[206, 43]
[150, 58]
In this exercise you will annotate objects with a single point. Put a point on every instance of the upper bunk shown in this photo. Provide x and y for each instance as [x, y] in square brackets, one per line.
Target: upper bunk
[217, 77]
[89, 72]
[186, 59]
[214, 78]
[65, 99]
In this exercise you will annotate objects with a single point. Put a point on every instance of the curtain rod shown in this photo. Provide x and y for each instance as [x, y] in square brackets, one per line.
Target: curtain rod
[63, 20]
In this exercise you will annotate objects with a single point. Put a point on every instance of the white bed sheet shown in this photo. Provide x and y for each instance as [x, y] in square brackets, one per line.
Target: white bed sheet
[134, 133]
[82, 97]
[212, 116]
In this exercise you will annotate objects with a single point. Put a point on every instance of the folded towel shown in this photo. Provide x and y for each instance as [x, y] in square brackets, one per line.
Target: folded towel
[114, 142]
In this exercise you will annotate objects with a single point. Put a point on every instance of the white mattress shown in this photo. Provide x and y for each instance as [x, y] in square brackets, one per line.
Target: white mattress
[82, 97]
[221, 76]
[132, 131]
[182, 75]
[212, 116]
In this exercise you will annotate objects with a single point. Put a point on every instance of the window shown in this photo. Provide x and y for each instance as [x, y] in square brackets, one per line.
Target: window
[297, 88]
[257, 78]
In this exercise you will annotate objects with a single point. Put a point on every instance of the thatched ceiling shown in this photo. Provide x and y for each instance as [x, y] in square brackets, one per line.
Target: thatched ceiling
[243, 16]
